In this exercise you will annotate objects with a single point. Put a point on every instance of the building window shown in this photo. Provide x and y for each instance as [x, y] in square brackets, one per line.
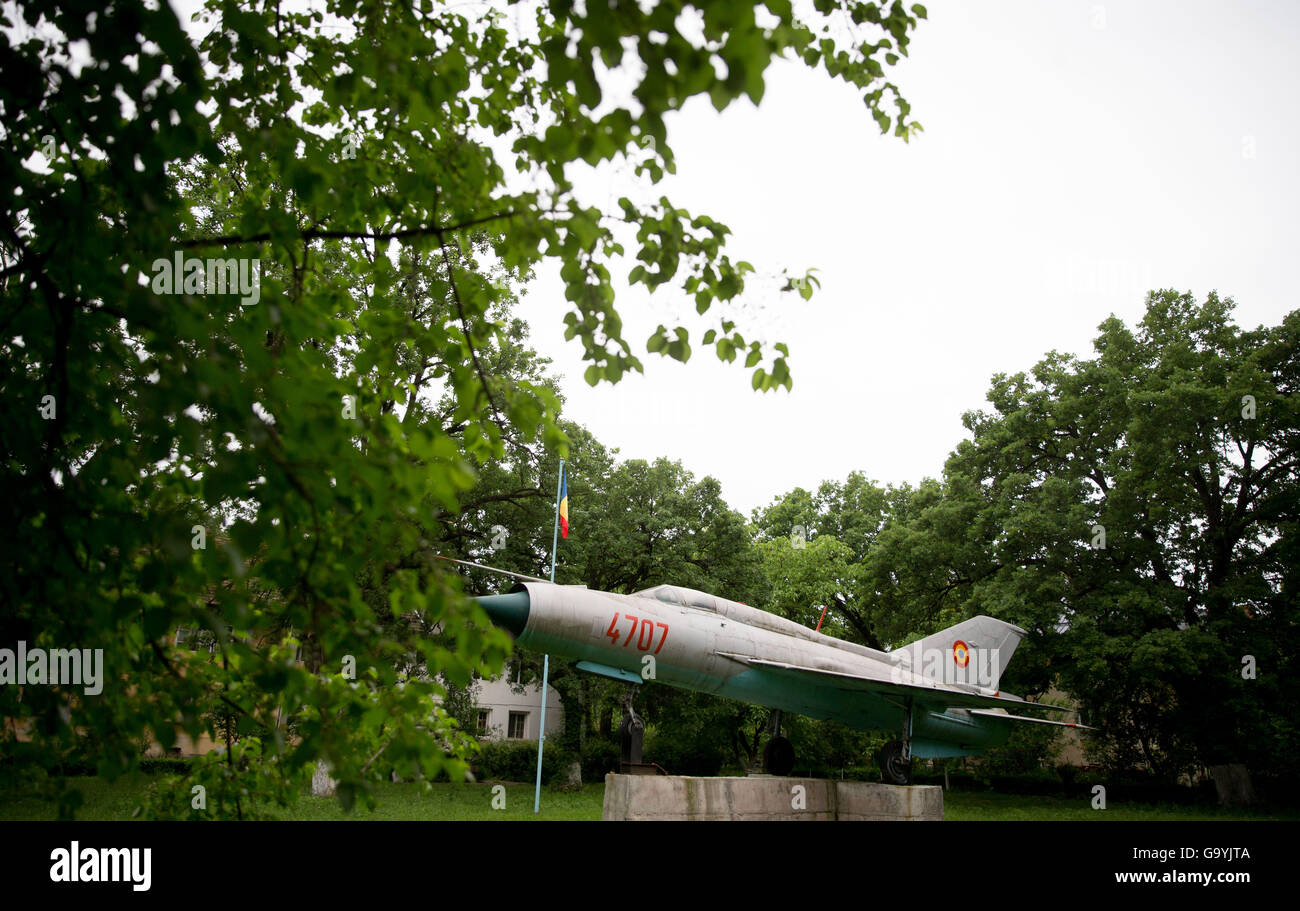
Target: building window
[516, 731]
[483, 715]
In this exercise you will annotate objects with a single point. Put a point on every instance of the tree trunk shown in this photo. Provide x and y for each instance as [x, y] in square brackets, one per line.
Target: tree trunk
[1233, 785]
[321, 783]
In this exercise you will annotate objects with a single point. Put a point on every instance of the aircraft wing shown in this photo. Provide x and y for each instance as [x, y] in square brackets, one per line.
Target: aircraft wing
[492, 569]
[928, 694]
[1065, 724]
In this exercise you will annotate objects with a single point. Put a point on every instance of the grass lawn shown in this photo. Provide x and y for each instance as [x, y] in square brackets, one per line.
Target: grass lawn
[970, 805]
[395, 801]
[459, 801]
[474, 802]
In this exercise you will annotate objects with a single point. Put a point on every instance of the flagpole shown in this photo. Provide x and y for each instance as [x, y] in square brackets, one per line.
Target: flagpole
[546, 660]
[541, 737]
[555, 532]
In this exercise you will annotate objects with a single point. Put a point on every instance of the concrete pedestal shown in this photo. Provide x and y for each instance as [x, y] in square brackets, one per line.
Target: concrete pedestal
[633, 797]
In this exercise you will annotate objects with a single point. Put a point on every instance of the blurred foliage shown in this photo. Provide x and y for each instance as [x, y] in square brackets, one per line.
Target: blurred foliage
[272, 466]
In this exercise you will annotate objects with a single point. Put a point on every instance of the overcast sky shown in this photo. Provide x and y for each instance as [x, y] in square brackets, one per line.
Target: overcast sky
[1075, 155]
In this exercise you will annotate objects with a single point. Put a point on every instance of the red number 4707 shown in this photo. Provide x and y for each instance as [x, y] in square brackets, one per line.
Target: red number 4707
[644, 637]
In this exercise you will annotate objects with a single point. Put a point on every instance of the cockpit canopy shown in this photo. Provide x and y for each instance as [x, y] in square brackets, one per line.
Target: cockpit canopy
[674, 594]
[750, 616]
[686, 597]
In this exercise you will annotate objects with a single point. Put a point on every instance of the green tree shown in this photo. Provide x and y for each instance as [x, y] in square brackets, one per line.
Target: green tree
[652, 523]
[806, 579]
[846, 518]
[1136, 513]
[370, 160]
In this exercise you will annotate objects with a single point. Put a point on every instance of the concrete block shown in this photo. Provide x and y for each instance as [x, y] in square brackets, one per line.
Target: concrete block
[767, 798]
[864, 800]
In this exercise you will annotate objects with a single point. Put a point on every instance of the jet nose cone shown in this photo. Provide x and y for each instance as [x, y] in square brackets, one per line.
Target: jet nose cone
[509, 611]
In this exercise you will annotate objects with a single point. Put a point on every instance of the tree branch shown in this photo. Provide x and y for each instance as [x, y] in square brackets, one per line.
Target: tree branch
[227, 240]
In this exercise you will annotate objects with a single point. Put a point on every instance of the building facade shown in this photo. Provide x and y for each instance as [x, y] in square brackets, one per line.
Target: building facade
[504, 714]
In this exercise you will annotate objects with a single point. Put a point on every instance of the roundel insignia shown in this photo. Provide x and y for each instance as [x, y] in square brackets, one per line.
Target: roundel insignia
[960, 653]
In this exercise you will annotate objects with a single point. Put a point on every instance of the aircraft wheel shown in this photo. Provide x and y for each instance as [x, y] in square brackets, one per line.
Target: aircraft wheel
[892, 767]
[778, 757]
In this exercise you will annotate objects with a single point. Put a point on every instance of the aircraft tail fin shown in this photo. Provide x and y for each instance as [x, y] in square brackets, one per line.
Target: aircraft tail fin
[975, 651]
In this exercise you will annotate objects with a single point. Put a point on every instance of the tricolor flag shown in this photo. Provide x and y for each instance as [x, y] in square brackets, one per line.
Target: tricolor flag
[564, 504]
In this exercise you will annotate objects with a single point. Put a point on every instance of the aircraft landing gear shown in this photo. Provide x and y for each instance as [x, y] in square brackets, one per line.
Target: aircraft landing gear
[778, 755]
[894, 769]
[895, 757]
[630, 732]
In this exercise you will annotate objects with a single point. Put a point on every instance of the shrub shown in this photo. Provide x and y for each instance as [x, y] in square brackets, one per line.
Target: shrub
[516, 760]
[598, 757]
[683, 755]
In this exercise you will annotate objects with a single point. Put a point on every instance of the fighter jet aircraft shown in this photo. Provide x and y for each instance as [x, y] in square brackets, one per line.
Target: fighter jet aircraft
[941, 693]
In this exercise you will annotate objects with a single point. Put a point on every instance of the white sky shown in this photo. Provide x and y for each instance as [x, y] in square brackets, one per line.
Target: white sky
[1075, 155]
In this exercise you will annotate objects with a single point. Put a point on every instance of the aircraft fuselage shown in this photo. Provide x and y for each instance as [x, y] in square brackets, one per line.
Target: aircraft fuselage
[700, 642]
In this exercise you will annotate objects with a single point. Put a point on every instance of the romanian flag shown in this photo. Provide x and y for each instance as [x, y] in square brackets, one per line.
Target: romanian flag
[564, 504]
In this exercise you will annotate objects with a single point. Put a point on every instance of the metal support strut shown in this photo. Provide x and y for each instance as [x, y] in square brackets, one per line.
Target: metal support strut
[774, 723]
[631, 730]
[907, 735]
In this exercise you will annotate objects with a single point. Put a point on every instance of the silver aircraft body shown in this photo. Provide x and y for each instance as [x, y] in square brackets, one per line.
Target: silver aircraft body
[940, 692]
